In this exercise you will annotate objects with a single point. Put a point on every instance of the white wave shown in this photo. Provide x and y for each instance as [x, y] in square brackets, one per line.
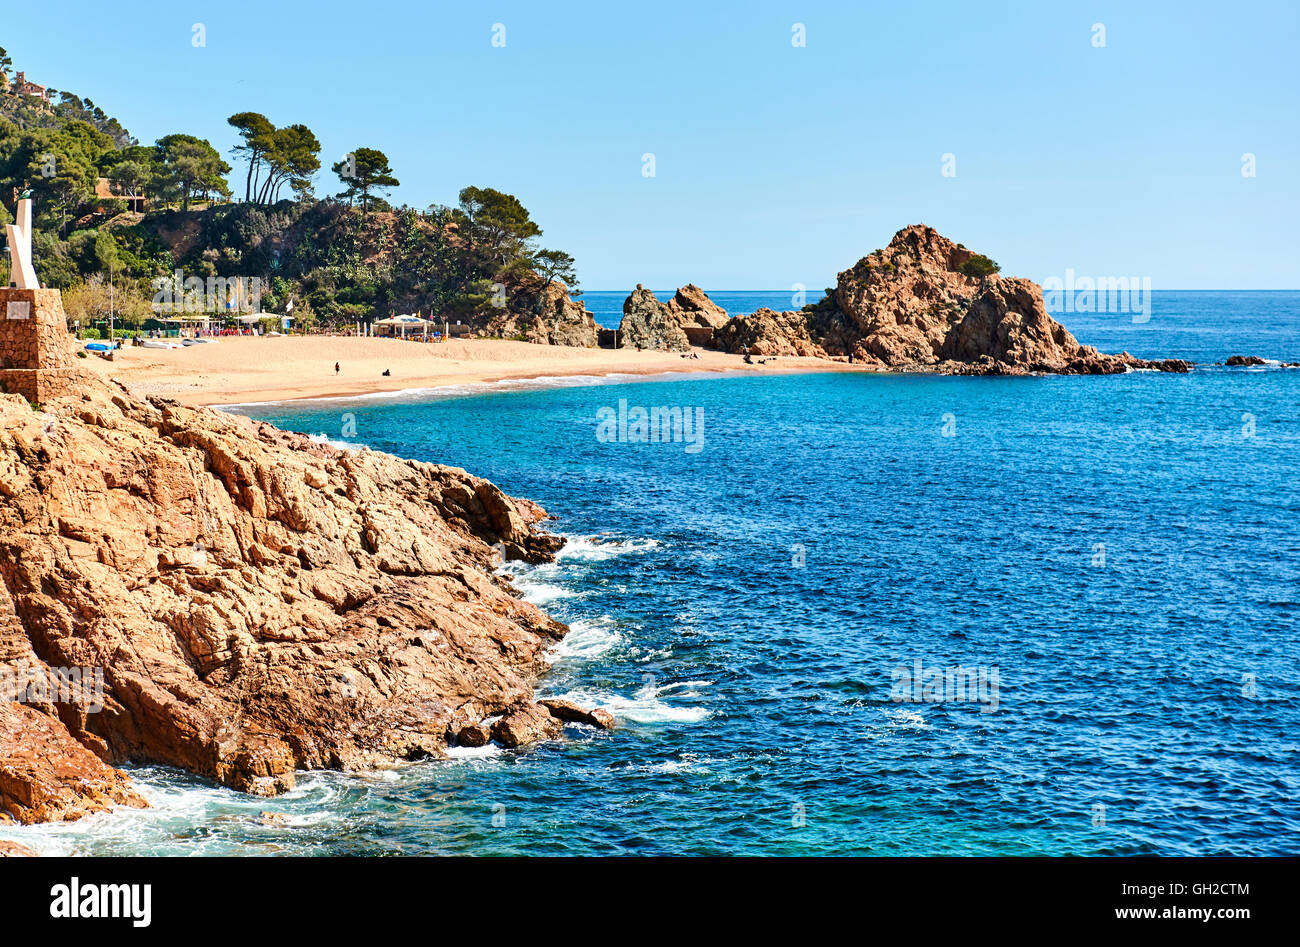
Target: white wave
[539, 593]
[460, 753]
[691, 686]
[337, 445]
[687, 763]
[643, 707]
[587, 638]
[905, 719]
[597, 549]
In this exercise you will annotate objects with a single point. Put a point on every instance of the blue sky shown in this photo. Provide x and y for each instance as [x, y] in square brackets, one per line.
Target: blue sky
[774, 164]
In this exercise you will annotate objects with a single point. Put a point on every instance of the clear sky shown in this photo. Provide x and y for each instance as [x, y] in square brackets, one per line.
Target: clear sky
[774, 164]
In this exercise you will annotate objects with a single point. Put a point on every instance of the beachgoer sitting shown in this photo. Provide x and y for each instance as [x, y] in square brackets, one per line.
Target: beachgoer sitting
[387, 372]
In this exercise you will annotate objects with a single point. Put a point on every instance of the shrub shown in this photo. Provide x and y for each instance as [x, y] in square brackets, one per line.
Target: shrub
[978, 267]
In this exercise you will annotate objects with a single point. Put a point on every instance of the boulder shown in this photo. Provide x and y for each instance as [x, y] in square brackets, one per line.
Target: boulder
[1244, 360]
[1008, 322]
[690, 305]
[525, 724]
[570, 712]
[767, 332]
[649, 324]
[46, 775]
[474, 734]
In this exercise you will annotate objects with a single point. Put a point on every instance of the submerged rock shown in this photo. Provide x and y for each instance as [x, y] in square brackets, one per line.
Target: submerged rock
[15, 850]
[255, 603]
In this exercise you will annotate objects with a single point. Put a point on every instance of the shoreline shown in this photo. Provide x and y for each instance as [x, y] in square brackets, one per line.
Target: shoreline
[241, 372]
[246, 371]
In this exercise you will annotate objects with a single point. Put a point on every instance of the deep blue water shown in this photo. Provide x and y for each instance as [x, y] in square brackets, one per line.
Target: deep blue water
[1121, 551]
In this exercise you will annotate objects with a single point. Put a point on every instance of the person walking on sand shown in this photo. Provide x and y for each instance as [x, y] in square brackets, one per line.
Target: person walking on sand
[336, 368]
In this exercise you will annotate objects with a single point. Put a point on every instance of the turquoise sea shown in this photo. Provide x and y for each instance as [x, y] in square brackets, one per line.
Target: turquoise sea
[776, 616]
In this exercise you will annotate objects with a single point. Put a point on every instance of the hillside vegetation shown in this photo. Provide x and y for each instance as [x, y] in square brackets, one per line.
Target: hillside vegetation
[341, 258]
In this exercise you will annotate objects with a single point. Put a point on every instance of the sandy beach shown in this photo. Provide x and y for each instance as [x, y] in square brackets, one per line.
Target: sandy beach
[250, 369]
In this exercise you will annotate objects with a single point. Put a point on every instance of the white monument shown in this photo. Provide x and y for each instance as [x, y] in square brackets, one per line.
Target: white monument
[21, 273]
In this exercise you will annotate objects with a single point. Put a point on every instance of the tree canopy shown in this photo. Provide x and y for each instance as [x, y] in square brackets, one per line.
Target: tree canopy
[363, 172]
[338, 261]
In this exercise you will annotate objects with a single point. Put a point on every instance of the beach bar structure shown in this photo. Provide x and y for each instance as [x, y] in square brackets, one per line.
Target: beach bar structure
[399, 326]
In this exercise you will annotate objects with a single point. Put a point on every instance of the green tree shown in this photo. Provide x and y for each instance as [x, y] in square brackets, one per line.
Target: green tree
[129, 178]
[292, 158]
[552, 265]
[191, 166]
[58, 167]
[258, 137]
[94, 251]
[364, 172]
[499, 226]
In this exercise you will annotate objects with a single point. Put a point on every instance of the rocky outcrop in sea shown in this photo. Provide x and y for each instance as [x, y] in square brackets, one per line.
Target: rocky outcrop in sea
[925, 303]
[191, 588]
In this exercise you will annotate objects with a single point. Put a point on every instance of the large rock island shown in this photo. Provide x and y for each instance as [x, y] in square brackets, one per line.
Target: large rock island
[254, 603]
[923, 303]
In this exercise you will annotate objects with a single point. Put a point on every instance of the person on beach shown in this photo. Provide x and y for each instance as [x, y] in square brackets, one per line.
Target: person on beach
[336, 368]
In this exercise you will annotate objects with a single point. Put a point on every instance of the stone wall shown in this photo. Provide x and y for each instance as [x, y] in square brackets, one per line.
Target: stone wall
[36, 350]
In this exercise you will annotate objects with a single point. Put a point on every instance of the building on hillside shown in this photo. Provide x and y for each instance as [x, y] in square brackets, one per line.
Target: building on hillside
[21, 86]
[104, 192]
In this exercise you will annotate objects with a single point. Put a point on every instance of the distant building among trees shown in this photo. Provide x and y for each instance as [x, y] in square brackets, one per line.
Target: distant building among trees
[20, 85]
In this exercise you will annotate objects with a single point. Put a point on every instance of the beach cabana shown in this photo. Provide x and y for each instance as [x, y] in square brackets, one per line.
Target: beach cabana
[399, 326]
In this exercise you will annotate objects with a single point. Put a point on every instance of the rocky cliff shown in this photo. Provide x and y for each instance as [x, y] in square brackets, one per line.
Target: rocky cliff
[559, 320]
[925, 303]
[254, 602]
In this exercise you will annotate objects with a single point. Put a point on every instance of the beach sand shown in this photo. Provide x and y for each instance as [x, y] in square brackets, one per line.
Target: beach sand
[242, 369]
